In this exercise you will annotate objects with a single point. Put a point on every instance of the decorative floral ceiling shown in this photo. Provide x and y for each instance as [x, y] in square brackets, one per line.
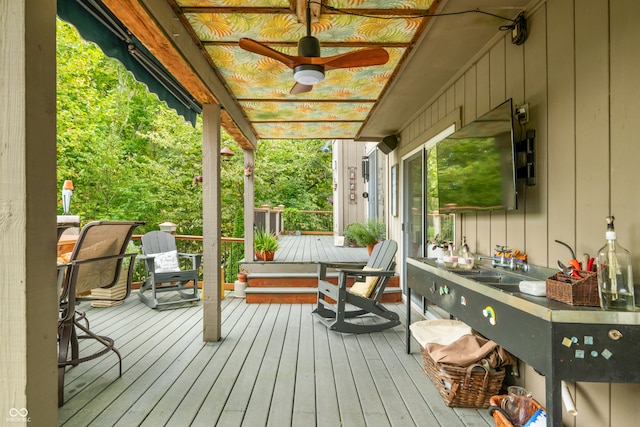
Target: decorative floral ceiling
[338, 106]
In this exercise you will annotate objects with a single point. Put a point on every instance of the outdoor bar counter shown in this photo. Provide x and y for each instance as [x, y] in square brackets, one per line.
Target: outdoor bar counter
[560, 341]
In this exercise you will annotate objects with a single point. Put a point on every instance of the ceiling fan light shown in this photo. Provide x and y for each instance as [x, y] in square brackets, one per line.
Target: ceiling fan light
[308, 74]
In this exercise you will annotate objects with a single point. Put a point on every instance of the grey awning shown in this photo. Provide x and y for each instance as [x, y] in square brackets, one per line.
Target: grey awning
[97, 24]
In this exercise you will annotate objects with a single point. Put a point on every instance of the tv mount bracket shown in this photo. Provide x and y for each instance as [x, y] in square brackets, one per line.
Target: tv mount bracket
[526, 158]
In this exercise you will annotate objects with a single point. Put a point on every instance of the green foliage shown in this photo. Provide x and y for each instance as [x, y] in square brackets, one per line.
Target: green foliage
[265, 241]
[350, 233]
[296, 174]
[292, 219]
[442, 224]
[131, 157]
[365, 234]
[238, 224]
[237, 252]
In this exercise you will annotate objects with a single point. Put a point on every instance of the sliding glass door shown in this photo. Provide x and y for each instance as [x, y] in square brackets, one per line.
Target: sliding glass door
[413, 221]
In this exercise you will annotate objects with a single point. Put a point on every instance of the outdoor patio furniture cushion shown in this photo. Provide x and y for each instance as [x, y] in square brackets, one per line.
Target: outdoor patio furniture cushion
[438, 331]
[98, 271]
[365, 288]
[165, 262]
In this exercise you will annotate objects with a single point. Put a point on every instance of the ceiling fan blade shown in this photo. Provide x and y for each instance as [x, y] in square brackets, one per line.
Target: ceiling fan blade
[357, 58]
[261, 49]
[300, 88]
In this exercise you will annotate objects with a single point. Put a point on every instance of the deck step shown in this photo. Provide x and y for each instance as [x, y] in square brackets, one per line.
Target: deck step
[288, 275]
[302, 280]
[302, 295]
[281, 290]
[299, 280]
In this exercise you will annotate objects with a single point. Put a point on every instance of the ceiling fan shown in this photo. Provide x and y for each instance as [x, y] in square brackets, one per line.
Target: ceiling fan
[308, 67]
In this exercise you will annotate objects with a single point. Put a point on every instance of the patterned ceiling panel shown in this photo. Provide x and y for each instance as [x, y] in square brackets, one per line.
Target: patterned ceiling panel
[251, 76]
[230, 27]
[336, 107]
[258, 111]
[340, 4]
[293, 130]
[234, 3]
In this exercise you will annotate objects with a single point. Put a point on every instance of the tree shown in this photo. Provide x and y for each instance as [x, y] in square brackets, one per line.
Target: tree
[128, 154]
[131, 157]
[295, 174]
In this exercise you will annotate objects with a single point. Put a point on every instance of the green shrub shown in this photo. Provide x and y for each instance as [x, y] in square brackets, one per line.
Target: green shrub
[265, 241]
[365, 234]
[292, 219]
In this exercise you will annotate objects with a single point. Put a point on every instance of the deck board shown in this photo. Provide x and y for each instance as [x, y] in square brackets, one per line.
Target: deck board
[304, 413]
[369, 398]
[326, 399]
[280, 410]
[310, 249]
[276, 365]
[203, 368]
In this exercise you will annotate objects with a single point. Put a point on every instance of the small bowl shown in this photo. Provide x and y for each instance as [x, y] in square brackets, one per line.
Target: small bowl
[465, 263]
[450, 261]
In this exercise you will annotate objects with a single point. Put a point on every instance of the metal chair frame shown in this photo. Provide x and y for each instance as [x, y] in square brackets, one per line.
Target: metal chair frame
[92, 265]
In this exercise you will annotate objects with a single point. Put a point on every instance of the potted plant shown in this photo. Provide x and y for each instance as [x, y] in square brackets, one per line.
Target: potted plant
[367, 234]
[265, 244]
[350, 235]
[292, 220]
[240, 286]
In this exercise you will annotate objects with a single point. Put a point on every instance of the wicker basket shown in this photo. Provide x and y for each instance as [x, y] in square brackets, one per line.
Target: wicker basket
[574, 291]
[465, 387]
[499, 418]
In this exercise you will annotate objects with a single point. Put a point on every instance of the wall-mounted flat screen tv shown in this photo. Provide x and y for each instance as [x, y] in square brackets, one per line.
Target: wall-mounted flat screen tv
[476, 165]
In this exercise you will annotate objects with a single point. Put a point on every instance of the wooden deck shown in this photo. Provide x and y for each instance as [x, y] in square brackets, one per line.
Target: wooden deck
[292, 277]
[275, 366]
[311, 249]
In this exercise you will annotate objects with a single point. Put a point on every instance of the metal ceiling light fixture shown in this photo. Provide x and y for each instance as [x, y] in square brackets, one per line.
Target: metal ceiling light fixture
[308, 74]
[308, 46]
[309, 67]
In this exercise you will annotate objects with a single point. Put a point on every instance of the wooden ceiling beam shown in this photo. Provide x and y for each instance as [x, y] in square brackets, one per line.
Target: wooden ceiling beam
[301, 10]
[236, 9]
[308, 121]
[307, 100]
[367, 13]
[323, 43]
[146, 29]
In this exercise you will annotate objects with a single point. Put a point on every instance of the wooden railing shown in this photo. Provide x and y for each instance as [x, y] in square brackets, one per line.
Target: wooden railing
[231, 251]
[311, 222]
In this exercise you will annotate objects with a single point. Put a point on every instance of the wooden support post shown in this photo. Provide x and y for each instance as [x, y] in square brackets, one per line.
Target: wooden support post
[28, 196]
[211, 317]
[249, 213]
